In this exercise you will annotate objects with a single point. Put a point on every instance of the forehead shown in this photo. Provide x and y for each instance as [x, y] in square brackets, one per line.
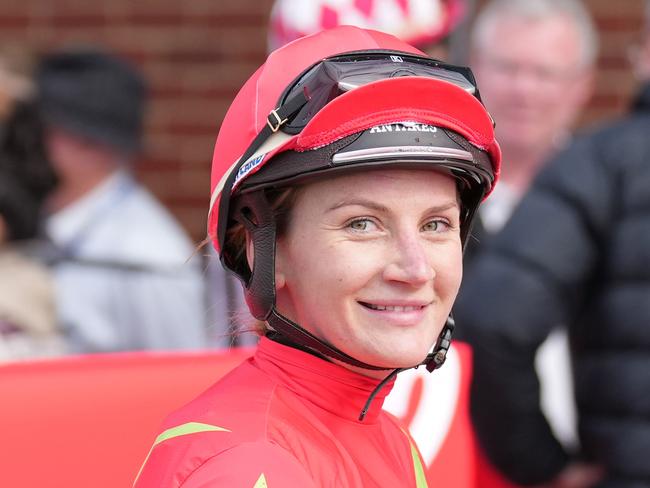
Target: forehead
[384, 184]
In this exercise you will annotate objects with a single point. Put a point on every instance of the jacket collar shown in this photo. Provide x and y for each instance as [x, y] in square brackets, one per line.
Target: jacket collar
[326, 385]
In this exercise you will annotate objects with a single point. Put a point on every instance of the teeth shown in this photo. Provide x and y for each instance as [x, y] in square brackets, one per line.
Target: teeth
[393, 308]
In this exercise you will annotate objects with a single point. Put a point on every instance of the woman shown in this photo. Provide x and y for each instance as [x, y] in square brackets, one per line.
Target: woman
[345, 177]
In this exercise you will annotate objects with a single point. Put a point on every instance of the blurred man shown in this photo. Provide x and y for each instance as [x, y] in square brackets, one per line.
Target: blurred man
[534, 61]
[576, 252]
[121, 274]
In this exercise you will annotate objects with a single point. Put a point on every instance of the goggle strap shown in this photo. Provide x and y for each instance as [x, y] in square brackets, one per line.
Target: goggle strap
[275, 120]
[278, 117]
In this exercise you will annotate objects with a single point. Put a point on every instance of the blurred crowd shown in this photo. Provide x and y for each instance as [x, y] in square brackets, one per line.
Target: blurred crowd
[556, 295]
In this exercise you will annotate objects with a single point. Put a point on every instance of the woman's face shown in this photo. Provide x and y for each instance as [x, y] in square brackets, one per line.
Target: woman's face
[371, 262]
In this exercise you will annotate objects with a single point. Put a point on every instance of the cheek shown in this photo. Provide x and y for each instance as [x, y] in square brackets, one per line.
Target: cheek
[343, 266]
[449, 272]
[331, 270]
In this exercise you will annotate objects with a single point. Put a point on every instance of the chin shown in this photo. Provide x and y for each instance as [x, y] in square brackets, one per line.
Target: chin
[411, 361]
[398, 359]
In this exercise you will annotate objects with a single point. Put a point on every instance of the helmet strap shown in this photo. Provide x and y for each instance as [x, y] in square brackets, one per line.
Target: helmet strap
[438, 355]
[254, 212]
[433, 361]
[299, 335]
[274, 122]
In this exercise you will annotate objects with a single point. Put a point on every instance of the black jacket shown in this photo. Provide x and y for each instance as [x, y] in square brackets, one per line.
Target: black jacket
[575, 252]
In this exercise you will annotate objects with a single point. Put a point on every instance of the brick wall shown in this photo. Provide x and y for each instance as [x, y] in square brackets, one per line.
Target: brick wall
[196, 54]
[619, 24]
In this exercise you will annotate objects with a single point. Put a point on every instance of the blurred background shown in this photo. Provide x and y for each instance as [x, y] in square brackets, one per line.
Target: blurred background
[195, 55]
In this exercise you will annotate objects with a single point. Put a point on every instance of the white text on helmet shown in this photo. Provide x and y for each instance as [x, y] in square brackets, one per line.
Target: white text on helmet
[403, 127]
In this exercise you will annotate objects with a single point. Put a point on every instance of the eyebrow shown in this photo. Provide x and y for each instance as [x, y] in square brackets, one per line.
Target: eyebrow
[371, 204]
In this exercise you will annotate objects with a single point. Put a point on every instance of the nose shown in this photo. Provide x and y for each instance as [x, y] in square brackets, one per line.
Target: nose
[409, 262]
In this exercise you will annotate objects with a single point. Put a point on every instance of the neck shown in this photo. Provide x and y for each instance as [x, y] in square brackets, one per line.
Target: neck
[521, 165]
[73, 189]
[337, 389]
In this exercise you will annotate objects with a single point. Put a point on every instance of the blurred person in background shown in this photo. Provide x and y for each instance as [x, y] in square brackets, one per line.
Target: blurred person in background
[122, 277]
[28, 326]
[577, 252]
[425, 24]
[535, 61]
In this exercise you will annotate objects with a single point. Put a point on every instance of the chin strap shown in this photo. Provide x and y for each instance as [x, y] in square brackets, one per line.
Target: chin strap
[292, 331]
[377, 389]
[297, 334]
[433, 361]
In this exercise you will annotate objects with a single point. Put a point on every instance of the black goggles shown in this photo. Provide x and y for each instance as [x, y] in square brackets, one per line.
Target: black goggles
[332, 77]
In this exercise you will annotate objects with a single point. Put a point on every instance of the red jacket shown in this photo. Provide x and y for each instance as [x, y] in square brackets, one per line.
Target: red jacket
[284, 418]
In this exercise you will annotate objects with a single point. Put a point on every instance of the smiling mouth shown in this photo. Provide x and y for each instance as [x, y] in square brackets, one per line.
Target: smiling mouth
[392, 308]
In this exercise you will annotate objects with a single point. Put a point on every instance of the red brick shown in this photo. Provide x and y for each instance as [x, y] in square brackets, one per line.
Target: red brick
[14, 22]
[603, 8]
